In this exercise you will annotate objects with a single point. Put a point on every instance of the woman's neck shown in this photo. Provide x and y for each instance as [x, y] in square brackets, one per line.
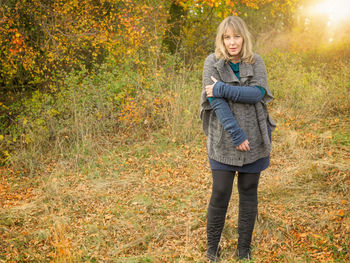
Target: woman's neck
[236, 60]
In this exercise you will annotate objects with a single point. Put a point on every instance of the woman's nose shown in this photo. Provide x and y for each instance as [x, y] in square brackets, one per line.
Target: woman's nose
[233, 41]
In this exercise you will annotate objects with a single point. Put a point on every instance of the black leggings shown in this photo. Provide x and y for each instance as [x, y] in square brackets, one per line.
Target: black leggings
[222, 187]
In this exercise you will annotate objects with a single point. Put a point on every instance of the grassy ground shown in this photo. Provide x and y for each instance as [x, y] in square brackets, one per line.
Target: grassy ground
[147, 203]
[146, 200]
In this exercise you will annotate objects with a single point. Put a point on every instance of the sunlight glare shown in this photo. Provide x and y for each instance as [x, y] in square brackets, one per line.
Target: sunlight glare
[336, 10]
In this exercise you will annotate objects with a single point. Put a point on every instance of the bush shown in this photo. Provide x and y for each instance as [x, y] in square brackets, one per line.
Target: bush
[86, 106]
[112, 104]
[317, 89]
[126, 104]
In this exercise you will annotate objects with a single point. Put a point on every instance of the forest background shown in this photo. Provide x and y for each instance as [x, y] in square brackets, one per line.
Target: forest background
[102, 153]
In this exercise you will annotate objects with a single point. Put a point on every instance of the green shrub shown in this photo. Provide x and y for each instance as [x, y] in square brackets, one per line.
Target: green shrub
[316, 89]
[119, 104]
[84, 107]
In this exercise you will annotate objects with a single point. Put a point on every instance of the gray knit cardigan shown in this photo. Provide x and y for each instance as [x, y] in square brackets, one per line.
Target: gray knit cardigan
[252, 118]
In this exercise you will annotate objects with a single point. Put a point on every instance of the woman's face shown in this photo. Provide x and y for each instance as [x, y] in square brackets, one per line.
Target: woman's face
[233, 42]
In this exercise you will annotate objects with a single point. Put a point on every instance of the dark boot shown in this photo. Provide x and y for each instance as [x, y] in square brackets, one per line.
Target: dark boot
[215, 224]
[246, 221]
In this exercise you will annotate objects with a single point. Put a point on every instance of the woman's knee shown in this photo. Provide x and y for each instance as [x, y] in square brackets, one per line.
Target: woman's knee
[222, 188]
[248, 183]
[220, 196]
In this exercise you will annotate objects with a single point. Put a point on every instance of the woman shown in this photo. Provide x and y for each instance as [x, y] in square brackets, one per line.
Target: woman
[238, 128]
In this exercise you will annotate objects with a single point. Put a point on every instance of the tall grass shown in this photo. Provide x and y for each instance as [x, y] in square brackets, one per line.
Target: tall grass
[89, 111]
[318, 90]
[68, 123]
[117, 105]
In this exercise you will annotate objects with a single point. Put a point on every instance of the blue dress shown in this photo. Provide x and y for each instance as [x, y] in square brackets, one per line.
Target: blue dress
[254, 167]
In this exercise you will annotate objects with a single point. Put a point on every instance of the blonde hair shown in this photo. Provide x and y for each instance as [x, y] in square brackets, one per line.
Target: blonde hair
[240, 27]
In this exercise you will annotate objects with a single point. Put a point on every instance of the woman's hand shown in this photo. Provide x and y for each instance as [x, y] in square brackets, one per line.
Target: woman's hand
[244, 146]
[209, 88]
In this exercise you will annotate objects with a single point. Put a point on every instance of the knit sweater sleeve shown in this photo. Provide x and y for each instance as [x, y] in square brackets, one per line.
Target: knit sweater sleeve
[228, 120]
[260, 78]
[244, 94]
[208, 71]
